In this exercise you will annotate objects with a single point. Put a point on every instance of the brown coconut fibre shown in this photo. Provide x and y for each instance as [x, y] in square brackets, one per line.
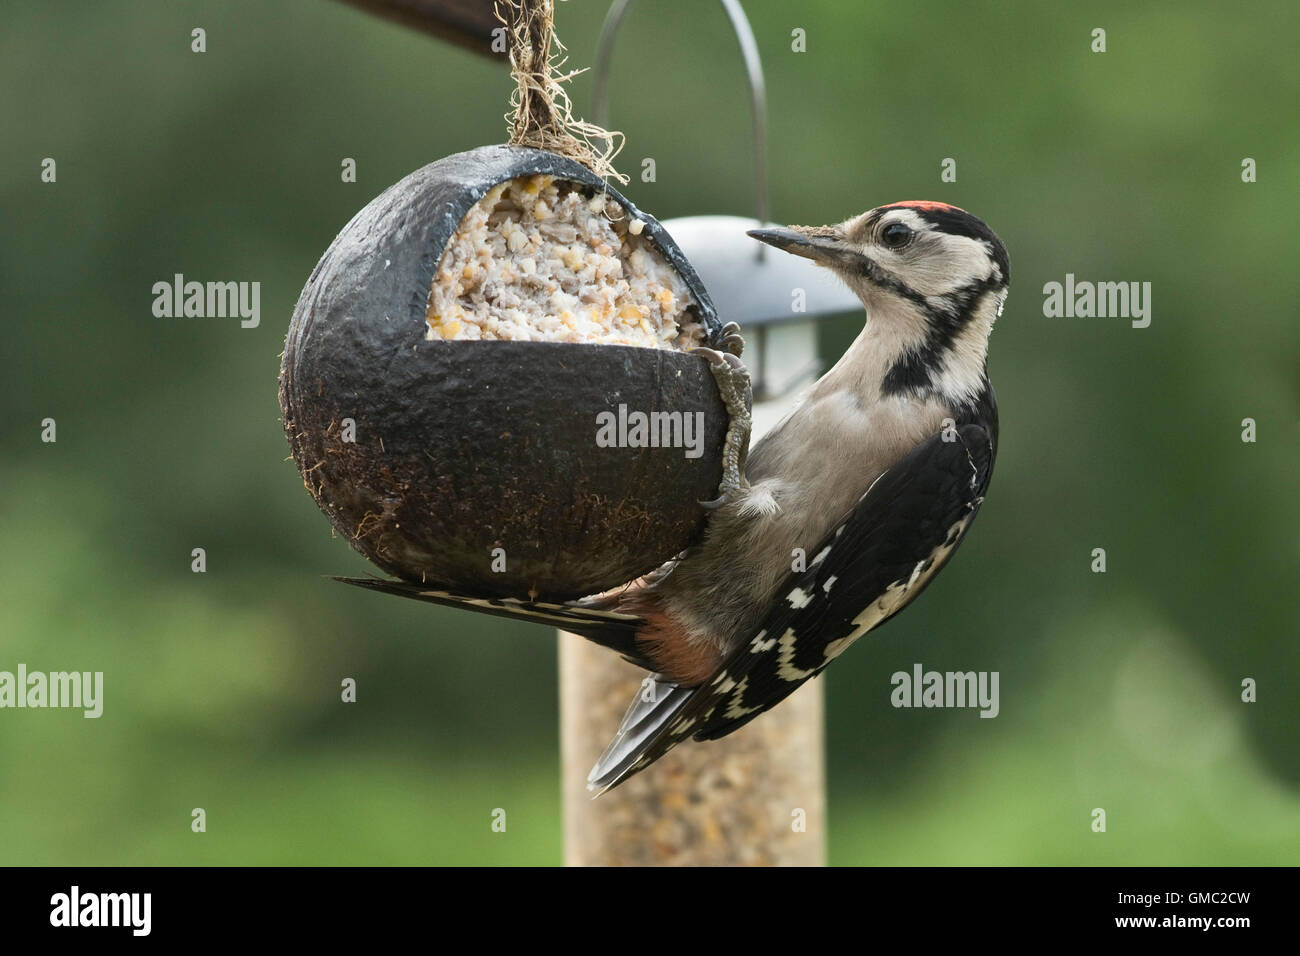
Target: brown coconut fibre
[540, 259]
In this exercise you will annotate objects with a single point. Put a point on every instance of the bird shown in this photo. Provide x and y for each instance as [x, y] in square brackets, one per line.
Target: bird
[838, 517]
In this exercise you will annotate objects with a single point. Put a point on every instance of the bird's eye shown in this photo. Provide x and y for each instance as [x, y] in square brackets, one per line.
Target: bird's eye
[896, 235]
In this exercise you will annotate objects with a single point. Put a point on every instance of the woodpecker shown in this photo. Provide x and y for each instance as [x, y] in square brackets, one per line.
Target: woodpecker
[873, 478]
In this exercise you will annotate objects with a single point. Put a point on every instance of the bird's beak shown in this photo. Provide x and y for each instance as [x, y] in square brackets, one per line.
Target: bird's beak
[824, 244]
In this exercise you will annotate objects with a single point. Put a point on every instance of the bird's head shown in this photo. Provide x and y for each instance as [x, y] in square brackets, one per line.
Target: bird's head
[932, 277]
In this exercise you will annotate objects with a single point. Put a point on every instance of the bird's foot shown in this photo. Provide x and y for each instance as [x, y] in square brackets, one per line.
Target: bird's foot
[732, 379]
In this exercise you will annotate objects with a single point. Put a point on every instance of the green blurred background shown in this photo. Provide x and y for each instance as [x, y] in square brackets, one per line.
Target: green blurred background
[1119, 690]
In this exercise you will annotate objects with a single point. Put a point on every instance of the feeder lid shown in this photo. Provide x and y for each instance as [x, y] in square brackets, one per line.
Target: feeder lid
[751, 284]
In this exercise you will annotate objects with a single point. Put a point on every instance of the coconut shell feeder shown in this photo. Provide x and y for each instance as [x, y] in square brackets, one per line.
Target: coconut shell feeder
[478, 464]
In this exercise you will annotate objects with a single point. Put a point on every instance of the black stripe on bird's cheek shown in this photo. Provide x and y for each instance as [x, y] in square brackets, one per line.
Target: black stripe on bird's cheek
[870, 270]
[914, 373]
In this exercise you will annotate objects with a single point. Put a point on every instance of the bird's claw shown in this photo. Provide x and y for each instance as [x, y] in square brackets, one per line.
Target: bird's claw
[712, 355]
[732, 379]
[730, 340]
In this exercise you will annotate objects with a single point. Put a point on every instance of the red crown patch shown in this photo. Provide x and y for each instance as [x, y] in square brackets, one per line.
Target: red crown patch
[924, 204]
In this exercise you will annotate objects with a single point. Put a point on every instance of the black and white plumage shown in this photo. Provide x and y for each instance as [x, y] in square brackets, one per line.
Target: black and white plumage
[834, 521]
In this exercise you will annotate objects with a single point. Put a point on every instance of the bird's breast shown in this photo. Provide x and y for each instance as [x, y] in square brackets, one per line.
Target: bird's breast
[810, 473]
[830, 450]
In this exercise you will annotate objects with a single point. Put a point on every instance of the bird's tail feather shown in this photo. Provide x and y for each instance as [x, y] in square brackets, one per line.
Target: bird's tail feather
[653, 707]
[592, 620]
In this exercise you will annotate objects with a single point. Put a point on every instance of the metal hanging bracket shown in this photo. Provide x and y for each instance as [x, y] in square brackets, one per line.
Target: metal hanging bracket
[757, 92]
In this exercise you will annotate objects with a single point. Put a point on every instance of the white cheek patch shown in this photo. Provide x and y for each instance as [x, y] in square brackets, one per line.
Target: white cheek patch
[949, 263]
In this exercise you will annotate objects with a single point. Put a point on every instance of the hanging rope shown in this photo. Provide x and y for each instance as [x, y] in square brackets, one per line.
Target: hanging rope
[541, 115]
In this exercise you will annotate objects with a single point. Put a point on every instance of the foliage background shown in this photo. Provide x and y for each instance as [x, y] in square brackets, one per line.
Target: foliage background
[1118, 690]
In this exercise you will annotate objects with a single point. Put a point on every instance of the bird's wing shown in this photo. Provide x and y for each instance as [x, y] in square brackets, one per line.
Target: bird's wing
[592, 619]
[889, 547]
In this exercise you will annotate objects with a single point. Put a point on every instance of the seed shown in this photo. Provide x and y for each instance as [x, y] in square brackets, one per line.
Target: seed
[536, 260]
